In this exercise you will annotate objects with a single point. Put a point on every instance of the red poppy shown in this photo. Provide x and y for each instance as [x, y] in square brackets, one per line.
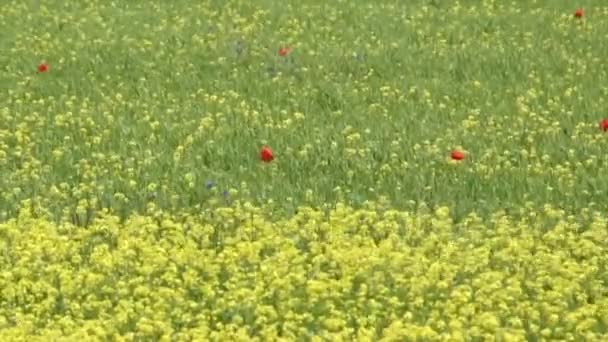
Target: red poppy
[284, 51]
[457, 155]
[43, 67]
[579, 13]
[604, 125]
[266, 154]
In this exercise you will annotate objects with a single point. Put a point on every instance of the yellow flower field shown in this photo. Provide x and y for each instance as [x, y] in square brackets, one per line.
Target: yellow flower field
[233, 274]
[417, 170]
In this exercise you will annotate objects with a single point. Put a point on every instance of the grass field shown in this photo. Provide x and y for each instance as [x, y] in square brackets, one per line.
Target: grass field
[439, 170]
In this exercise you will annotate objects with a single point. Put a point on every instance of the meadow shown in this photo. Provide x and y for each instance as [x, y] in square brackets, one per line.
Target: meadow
[234, 170]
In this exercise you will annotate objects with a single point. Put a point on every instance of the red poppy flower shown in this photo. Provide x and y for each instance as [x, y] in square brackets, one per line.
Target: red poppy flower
[579, 13]
[457, 155]
[43, 67]
[266, 154]
[604, 125]
[284, 51]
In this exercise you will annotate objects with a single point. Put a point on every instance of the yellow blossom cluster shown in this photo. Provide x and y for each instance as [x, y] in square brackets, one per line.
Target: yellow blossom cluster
[341, 274]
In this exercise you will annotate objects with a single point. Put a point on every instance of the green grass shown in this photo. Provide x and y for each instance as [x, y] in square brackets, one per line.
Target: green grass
[386, 91]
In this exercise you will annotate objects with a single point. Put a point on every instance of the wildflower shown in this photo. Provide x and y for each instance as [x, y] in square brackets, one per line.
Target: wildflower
[43, 67]
[604, 125]
[579, 13]
[457, 155]
[226, 196]
[359, 56]
[266, 154]
[209, 184]
[284, 51]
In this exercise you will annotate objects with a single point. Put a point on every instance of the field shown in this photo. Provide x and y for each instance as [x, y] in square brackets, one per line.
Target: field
[259, 170]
